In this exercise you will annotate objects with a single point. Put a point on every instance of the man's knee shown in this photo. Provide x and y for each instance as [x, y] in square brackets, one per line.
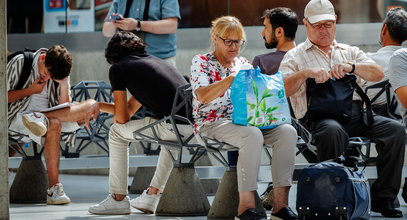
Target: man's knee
[331, 129]
[54, 125]
[116, 131]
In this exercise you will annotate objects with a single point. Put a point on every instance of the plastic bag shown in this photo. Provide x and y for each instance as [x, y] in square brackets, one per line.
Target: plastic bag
[259, 100]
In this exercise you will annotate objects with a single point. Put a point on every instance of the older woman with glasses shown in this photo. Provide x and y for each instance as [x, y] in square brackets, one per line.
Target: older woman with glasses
[211, 77]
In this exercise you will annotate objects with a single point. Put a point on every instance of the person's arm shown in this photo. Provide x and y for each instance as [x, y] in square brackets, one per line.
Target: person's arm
[64, 91]
[165, 26]
[107, 107]
[397, 75]
[206, 94]
[36, 87]
[121, 114]
[109, 29]
[402, 95]
[132, 105]
[365, 67]
[367, 71]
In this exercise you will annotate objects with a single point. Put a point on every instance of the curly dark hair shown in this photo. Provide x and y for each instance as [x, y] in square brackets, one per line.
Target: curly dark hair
[122, 44]
[58, 61]
[396, 21]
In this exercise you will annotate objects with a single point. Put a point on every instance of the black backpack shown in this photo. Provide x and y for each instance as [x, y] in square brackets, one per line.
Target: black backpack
[28, 61]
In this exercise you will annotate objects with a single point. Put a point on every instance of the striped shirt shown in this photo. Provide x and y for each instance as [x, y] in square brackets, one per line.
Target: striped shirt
[307, 55]
[14, 68]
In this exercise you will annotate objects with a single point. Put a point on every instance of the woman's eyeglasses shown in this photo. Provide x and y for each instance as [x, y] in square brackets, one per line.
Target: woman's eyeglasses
[228, 42]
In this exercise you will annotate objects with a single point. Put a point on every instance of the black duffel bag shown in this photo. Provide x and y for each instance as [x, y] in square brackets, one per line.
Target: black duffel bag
[333, 100]
[333, 190]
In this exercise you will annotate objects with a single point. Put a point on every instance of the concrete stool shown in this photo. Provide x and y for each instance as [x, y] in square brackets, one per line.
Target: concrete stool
[142, 179]
[210, 185]
[226, 199]
[183, 194]
[30, 183]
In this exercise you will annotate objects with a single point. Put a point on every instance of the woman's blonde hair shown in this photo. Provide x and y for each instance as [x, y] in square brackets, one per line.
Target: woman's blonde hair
[226, 26]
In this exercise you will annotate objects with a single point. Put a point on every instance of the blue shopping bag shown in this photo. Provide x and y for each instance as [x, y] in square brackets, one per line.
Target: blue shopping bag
[259, 100]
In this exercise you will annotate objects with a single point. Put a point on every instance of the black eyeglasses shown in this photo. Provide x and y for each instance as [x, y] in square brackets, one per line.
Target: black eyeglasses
[326, 25]
[228, 42]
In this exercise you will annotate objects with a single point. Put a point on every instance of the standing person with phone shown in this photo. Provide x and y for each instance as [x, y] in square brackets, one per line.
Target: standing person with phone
[155, 21]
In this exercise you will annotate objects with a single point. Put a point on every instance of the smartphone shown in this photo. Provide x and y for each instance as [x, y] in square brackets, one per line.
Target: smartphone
[116, 17]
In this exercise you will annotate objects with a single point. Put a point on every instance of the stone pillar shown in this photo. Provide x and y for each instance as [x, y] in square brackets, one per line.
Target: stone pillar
[4, 196]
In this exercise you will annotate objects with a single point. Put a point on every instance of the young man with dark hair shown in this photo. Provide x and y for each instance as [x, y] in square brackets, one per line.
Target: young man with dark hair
[134, 70]
[46, 86]
[280, 26]
[392, 35]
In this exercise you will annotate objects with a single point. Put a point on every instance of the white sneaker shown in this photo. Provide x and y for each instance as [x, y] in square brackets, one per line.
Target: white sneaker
[57, 196]
[146, 203]
[110, 206]
[35, 122]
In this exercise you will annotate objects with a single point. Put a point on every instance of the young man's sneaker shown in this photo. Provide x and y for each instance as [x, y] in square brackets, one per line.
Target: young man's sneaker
[284, 214]
[110, 206]
[250, 214]
[35, 122]
[57, 196]
[146, 203]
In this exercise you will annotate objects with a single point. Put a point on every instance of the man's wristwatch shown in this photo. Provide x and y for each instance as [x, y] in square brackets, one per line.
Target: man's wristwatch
[138, 28]
[353, 67]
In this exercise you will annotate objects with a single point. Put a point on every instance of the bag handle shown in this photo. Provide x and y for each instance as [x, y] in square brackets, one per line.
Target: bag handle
[367, 113]
[350, 161]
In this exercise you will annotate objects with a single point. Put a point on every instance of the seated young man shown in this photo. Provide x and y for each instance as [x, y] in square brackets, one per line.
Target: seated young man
[151, 82]
[46, 86]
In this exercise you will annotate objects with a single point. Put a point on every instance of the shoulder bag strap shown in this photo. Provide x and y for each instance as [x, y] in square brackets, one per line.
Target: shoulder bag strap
[146, 10]
[368, 118]
[26, 71]
[128, 5]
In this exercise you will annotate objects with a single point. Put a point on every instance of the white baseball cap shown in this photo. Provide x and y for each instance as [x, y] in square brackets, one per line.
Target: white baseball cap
[319, 10]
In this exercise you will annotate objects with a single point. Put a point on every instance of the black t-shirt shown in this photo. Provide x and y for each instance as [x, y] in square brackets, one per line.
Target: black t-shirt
[152, 81]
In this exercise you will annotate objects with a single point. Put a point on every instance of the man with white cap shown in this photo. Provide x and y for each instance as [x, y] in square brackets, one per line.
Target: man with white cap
[320, 57]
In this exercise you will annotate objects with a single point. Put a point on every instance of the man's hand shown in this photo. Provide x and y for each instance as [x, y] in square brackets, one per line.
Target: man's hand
[340, 70]
[37, 86]
[92, 114]
[126, 24]
[320, 75]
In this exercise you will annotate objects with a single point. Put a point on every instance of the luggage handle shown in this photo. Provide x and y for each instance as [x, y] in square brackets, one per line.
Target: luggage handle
[350, 161]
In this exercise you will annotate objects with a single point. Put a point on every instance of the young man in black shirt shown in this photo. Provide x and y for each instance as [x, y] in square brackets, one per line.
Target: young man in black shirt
[152, 82]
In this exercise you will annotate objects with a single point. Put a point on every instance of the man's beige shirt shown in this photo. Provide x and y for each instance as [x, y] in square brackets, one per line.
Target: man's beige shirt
[307, 55]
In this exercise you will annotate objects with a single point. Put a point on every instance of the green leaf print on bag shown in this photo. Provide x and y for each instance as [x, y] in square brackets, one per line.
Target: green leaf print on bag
[263, 116]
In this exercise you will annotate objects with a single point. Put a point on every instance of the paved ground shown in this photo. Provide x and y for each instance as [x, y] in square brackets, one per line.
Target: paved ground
[88, 190]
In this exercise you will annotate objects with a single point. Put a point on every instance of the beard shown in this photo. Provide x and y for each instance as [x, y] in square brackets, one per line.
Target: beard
[272, 44]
